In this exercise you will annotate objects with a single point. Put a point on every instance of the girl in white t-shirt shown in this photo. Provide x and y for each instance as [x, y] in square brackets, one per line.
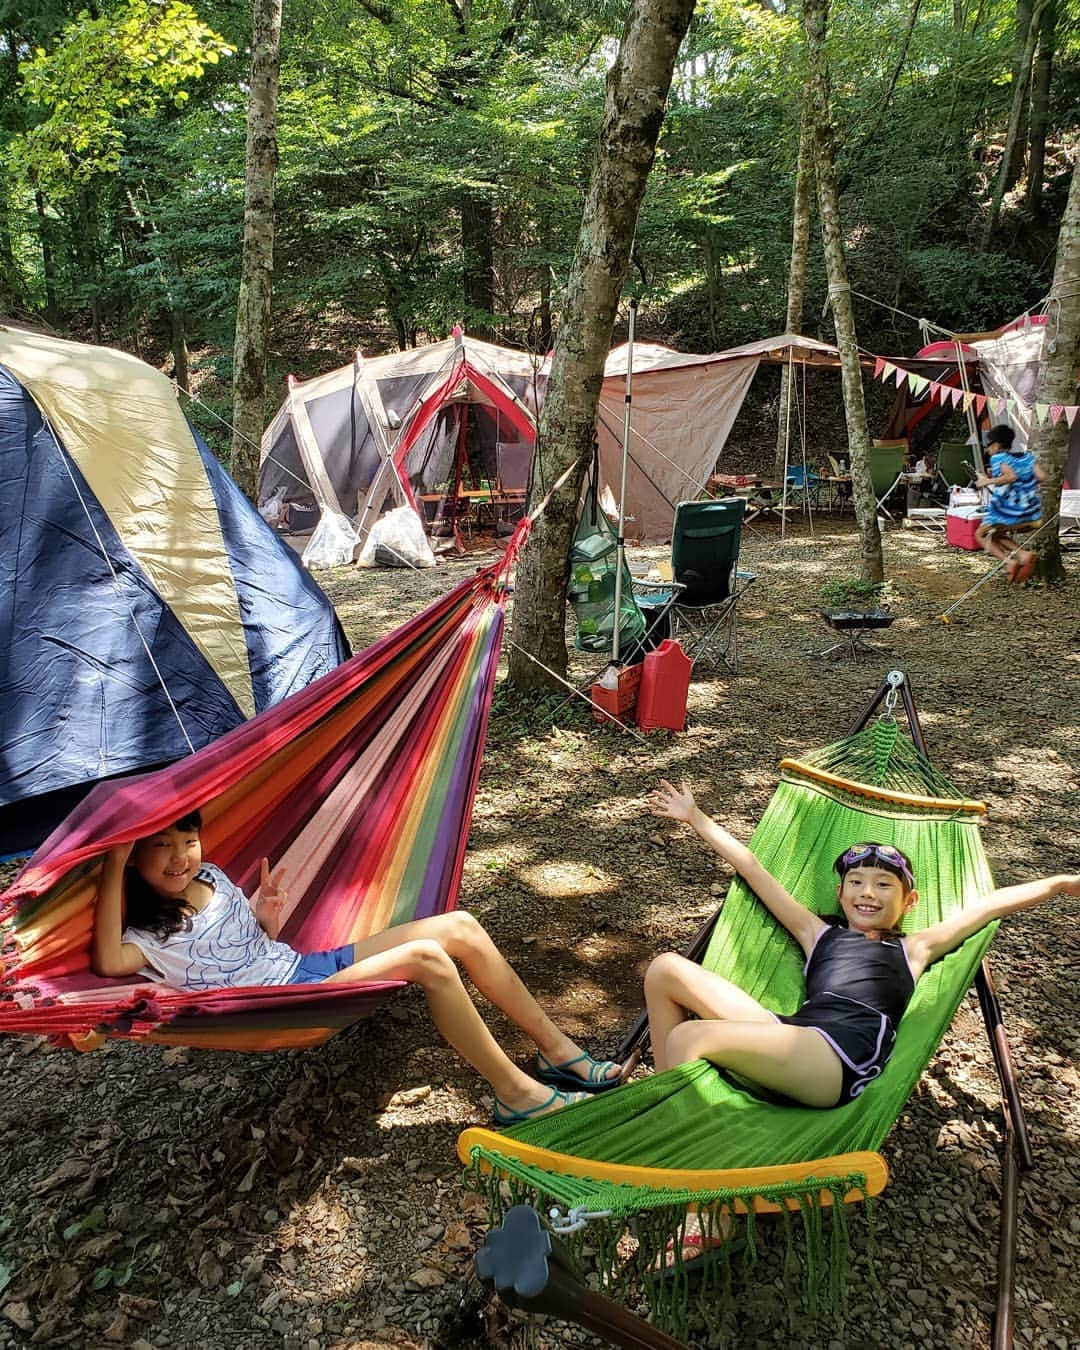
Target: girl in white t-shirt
[165, 914]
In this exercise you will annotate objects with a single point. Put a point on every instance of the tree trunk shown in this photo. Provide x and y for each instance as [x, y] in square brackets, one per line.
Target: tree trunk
[1022, 81]
[815, 19]
[1040, 107]
[257, 264]
[178, 334]
[478, 265]
[1056, 381]
[48, 262]
[800, 243]
[637, 88]
[1015, 112]
[546, 332]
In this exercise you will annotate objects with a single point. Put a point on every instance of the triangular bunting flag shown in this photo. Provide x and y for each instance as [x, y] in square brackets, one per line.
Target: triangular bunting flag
[937, 391]
[1071, 410]
[980, 404]
[998, 405]
[917, 383]
[879, 366]
[969, 399]
[1056, 410]
[901, 376]
[956, 395]
[1042, 412]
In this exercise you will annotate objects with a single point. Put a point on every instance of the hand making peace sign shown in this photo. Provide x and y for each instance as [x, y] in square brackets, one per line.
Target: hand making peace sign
[272, 899]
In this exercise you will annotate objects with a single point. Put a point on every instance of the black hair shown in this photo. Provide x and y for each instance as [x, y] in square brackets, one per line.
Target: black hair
[908, 882]
[1001, 435]
[158, 914]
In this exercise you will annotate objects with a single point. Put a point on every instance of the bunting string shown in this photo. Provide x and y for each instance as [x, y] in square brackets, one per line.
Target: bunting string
[936, 391]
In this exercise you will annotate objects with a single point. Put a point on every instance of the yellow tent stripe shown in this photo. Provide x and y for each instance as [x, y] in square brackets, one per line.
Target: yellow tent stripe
[118, 419]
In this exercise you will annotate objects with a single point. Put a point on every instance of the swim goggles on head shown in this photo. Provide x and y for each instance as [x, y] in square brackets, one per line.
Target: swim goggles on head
[882, 853]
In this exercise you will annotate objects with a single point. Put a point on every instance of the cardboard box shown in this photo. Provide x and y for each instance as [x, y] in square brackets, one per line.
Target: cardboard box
[960, 527]
[620, 702]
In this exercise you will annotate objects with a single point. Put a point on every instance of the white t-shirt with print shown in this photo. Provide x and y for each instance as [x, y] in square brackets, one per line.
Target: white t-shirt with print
[225, 948]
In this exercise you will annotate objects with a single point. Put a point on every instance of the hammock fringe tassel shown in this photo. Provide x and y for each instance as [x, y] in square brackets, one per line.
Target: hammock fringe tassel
[633, 1246]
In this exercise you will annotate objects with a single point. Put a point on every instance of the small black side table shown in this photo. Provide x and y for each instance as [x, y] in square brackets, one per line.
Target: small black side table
[851, 624]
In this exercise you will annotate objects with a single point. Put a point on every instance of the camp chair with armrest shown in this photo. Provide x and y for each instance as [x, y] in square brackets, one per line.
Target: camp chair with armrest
[705, 562]
[802, 486]
[693, 1138]
[954, 460]
[1069, 518]
[886, 470]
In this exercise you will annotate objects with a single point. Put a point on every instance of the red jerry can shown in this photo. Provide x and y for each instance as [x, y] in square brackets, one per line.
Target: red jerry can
[665, 683]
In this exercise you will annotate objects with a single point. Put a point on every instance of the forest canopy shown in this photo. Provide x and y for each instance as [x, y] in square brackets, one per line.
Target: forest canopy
[433, 160]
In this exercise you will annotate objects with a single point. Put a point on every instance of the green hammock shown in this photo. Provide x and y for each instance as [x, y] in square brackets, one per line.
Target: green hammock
[872, 785]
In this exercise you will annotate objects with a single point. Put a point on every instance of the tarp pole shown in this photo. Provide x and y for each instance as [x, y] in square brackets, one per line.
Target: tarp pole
[620, 542]
[973, 425]
[787, 443]
[808, 505]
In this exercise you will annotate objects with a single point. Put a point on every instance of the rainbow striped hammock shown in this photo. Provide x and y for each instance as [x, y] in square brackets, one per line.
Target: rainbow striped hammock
[361, 786]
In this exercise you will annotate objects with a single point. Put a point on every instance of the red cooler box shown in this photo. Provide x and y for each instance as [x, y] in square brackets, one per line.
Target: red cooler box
[960, 527]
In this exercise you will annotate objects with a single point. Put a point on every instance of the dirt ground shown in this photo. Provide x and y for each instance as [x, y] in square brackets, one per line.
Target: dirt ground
[308, 1200]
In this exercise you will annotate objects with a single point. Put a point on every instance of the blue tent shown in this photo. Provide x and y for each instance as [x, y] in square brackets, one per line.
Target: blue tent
[145, 607]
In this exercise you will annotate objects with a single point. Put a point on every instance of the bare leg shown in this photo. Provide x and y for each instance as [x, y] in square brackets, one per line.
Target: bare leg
[675, 986]
[463, 937]
[424, 962]
[793, 1060]
[995, 542]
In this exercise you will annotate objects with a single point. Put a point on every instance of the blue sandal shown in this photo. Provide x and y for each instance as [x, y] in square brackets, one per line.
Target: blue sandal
[504, 1115]
[596, 1078]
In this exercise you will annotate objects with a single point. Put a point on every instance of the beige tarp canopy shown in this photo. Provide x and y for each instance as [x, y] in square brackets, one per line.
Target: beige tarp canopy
[683, 408]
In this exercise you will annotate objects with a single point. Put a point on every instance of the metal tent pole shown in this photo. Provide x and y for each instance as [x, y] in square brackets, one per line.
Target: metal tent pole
[620, 542]
[787, 442]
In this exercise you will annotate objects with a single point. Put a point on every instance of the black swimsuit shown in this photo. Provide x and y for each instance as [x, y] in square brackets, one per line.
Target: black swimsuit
[859, 1024]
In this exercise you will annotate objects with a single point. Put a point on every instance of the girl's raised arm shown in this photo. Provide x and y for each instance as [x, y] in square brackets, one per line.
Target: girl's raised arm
[924, 948]
[108, 954]
[678, 804]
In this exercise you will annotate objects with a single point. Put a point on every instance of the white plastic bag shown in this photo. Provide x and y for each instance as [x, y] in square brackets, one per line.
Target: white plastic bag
[332, 543]
[270, 508]
[397, 540]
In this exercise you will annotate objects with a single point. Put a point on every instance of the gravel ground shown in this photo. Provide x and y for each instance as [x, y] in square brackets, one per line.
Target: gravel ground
[171, 1197]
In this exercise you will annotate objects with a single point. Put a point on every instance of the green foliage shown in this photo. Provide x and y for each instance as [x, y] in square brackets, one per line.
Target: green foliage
[122, 132]
[130, 59]
[854, 593]
[972, 290]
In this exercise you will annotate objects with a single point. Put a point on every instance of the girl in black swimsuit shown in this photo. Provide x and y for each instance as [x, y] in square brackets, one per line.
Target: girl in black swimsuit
[859, 977]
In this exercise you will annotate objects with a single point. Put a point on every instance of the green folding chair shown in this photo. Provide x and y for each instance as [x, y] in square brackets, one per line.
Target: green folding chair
[705, 562]
[953, 461]
[886, 468]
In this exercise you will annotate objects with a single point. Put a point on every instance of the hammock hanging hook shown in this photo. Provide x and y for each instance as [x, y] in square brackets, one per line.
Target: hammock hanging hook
[575, 1219]
[895, 681]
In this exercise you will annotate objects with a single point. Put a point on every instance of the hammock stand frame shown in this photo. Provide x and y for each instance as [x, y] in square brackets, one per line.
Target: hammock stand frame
[556, 1290]
[1016, 1155]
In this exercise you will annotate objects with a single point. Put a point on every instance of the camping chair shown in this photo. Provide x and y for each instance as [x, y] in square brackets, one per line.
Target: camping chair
[1069, 520]
[704, 562]
[954, 463]
[691, 1137]
[887, 470]
[802, 486]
